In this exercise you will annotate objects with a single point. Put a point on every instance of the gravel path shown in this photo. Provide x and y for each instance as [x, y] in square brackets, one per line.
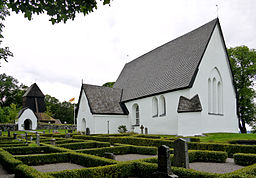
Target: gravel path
[57, 167]
[221, 168]
[129, 157]
[4, 173]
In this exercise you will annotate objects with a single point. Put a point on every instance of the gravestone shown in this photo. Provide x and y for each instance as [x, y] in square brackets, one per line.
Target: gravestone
[15, 136]
[67, 135]
[141, 129]
[43, 132]
[164, 163]
[0, 132]
[9, 133]
[87, 131]
[38, 139]
[181, 158]
[26, 136]
[146, 131]
[109, 155]
[53, 141]
[31, 138]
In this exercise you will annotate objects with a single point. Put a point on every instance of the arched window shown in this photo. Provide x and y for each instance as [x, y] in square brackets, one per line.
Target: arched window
[209, 96]
[136, 114]
[215, 93]
[162, 106]
[154, 107]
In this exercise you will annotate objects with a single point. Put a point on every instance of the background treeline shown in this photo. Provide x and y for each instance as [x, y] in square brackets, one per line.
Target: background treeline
[11, 92]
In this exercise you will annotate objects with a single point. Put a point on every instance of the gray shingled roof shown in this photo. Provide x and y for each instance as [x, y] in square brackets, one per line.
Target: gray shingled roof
[189, 105]
[104, 100]
[33, 91]
[169, 67]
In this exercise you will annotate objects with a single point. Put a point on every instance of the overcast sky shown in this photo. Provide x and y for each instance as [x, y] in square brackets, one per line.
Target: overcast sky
[96, 47]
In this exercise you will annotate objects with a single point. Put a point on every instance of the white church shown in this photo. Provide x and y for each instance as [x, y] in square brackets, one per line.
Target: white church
[184, 87]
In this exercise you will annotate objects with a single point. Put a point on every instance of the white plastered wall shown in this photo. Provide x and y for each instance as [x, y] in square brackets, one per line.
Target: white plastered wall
[97, 123]
[167, 124]
[215, 56]
[27, 114]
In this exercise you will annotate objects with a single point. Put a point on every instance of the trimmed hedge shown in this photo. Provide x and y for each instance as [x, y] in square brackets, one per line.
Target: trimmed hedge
[30, 150]
[244, 159]
[23, 170]
[229, 148]
[13, 145]
[8, 161]
[84, 145]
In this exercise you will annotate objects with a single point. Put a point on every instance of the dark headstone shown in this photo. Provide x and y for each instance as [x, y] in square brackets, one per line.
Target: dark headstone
[0, 132]
[26, 136]
[146, 131]
[38, 139]
[141, 129]
[164, 162]
[9, 133]
[181, 158]
[53, 141]
[43, 132]
[109, 155]
[67, 135]
[15, 136]
[87, 131]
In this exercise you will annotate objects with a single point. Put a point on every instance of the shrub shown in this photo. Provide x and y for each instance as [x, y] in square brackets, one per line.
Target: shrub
[84, 145]
[122, 129]
[23, 170]
[244, 159]
[29, 150]
[8, 161]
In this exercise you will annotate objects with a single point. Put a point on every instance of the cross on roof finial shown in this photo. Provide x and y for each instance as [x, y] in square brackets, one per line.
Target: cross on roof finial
[217, 10]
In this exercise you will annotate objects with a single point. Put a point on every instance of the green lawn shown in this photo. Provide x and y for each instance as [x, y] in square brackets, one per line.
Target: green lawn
[225, 137]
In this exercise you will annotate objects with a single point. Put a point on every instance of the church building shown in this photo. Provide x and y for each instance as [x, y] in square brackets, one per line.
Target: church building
[184, 87]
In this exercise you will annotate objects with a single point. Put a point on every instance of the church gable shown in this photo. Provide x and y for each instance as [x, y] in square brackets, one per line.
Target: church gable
[172, 66]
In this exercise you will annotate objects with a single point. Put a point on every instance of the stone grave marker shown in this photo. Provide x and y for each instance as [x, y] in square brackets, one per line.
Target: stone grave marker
[31, 138]
[43, 131]
[87, 131]
[26, 136]
[67, 135]
[141, 129]
[15, 136]
[146, 131]
[53, 141]
[181, 158]
[109, 155]
[9, 133]
[164, 163]
[38, 139]
[0, 132]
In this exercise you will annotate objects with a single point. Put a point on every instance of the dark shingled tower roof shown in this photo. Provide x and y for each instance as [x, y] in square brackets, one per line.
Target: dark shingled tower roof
[104, 100]
[172, 66]
[189, 105]
[33, 91]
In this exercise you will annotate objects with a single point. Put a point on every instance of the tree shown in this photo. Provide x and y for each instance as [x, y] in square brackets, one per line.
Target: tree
[109, 84]
[243, 63]
[64, 111]
[58, 10]
[11, 91]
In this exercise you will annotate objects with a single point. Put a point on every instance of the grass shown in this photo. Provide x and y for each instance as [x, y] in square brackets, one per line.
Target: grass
[62, 131]
[226, 137]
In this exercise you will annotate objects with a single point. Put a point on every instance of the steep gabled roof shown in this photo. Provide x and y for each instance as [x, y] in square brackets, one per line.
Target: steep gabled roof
[33, 91]
[104, 100]
[189, 105]
[170, 67]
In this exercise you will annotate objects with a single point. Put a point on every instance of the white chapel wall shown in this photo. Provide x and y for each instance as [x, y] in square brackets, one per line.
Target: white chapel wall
[27, 114]
[215, 57]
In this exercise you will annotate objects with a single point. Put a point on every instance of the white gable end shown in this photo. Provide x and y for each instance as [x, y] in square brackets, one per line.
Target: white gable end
[215, 67]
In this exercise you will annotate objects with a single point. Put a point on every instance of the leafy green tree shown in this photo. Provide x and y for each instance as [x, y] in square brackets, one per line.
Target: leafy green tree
[59, 110]
[58, 10]
[109, 84]
[13, 112]
[11, 91]
[243, 63]
[3, 115]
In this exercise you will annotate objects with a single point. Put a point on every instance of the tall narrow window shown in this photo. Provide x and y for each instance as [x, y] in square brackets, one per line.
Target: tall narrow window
[162, 107]
[220, 98]
[214, 92]
[154, 107]
[137, 115]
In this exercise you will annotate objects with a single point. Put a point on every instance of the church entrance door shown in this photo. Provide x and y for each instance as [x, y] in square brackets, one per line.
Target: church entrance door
[28, 124]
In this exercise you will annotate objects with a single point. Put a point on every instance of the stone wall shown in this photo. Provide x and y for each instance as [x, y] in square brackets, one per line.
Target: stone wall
[8, 126]
[57, 126]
